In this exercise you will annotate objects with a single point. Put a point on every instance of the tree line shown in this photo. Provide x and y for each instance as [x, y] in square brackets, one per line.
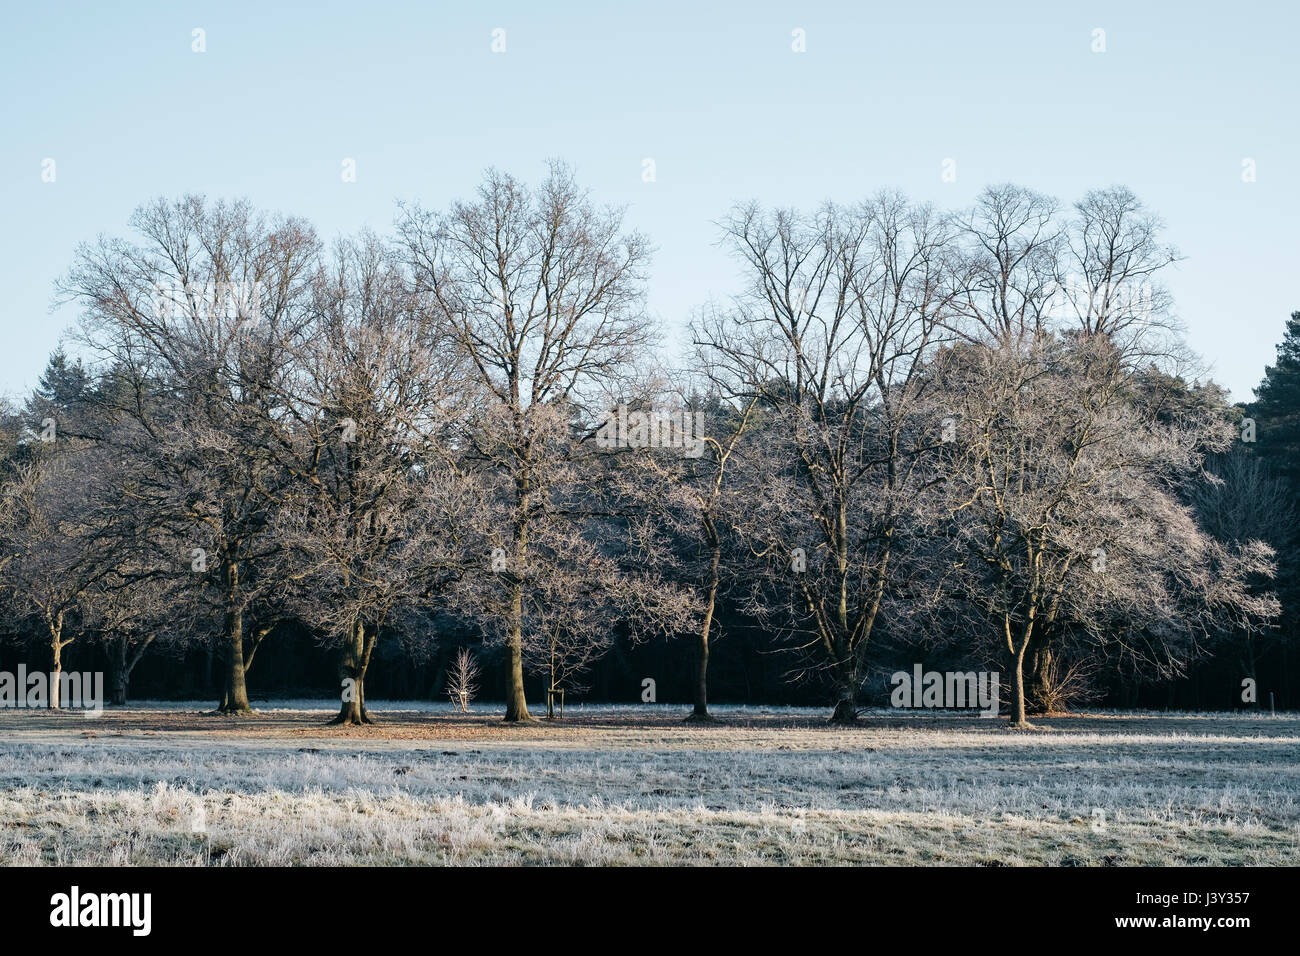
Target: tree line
[975, 434]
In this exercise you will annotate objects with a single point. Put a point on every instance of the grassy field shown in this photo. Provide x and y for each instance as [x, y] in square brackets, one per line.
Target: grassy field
[168, 784]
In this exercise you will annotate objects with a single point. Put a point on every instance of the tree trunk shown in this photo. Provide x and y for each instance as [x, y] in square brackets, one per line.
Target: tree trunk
[118, 657]
[1018, 687]
[235, 700]
[125, 665]
[516, 699]
[354, 661]
[846, 700]
[1038, 692]
[845, 712]
[1033, 672]
[57, 647]
[236, 697]
[701, 711]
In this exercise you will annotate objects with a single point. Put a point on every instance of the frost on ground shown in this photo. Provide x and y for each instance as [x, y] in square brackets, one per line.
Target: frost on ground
[167, 784]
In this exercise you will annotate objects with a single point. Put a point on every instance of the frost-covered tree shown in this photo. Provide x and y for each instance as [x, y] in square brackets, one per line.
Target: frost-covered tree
[690, 500]
[370, 521]
[839, 311]
[1063, 508]
[543, 292]
[196, 319]
[462, 679]
[52, 565]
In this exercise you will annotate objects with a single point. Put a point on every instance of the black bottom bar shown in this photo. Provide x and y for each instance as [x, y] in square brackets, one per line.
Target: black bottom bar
[926, 907]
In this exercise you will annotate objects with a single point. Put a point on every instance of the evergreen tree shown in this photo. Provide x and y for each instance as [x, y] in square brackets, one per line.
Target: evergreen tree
[1276, 411]
[58, 401]
[64, 382]
[1276, 408]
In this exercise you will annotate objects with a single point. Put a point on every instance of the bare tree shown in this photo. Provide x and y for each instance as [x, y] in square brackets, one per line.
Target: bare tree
[842, 308]
[916, 426]
[462, 679]
[87, 560]
[135, 608]
[1111, 284]
[194, 322]
[52, 567]
[543, 292]
[1008, 283]
[369, 521]
[690, 494]
[1066, 522]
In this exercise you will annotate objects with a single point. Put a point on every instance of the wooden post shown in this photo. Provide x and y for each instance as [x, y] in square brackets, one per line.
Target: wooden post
[550, 701]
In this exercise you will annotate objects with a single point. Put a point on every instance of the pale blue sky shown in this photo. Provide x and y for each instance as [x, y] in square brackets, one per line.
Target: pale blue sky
[711, 91]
